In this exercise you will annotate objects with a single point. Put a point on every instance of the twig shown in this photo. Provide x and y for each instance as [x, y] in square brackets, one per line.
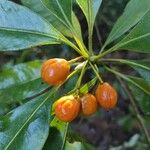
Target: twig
[137, 113]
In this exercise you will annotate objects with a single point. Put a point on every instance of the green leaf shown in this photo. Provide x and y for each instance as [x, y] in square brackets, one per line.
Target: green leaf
[141, 83]
[57, 135]
[133, 13]
[61, 9]
[27, 126]
[43, 10]
[20, 73]
[86, 87]
[20, 81]
[142, 98]
[59, 13]
[90, 9]
[141, 66]
[144, 72]
[20, 93]
[138, 82]
[77, 27]
[139, 38]
[20, 28]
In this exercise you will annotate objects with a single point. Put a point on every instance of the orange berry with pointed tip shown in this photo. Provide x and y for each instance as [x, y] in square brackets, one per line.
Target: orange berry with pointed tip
[88, 104]
[67, 108]
[55, 71]
[106, 95]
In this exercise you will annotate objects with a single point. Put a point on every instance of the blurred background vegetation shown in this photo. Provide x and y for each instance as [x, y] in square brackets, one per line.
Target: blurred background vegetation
[117, 129]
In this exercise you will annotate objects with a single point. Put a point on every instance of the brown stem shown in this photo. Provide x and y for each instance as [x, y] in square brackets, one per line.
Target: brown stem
[137, 113]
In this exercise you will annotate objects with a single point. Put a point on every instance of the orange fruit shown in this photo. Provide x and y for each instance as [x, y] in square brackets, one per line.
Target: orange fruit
[88, 104]
[67, 108]
[55, 71]
[106, 96]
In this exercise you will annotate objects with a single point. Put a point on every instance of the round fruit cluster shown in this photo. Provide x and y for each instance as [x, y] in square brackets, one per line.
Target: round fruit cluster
[55, 71]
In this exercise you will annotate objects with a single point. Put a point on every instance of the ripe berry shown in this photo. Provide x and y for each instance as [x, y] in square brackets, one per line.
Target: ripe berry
[67, 108]
[55, 71]
[88, 104]
[106, 95]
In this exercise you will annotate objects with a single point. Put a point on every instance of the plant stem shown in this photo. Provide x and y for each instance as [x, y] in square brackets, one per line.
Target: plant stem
[90, 29]
[82, 53]
[80, 43]
[94, 58]
[135, 108]
[75, 60]
[90, 40]
[81, 76]
[124, 61]
[96, 72]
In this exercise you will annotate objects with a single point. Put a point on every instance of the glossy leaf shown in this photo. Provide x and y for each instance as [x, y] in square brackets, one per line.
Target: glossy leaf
[90, 9]
[20, 74]
[27, 126]
[133, 13]
[19, 93]
[142, 98]
[20, 28]
[77, 27]
[62, 9]
[139, 38]
[20, 81]
[57, 135]
[42, 9]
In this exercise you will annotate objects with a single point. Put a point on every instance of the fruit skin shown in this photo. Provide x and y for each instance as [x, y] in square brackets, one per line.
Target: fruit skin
[67, 108]
[106, 96]
[55, 71]
[88, 104]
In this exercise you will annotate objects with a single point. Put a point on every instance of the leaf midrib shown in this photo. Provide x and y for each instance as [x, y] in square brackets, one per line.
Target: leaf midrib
[130, 62]
[54, 14]
[127, 78]
[118, 29]
[122, 43]
[25, 123]
[90, 14]
[22, 83]
[28, 31]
